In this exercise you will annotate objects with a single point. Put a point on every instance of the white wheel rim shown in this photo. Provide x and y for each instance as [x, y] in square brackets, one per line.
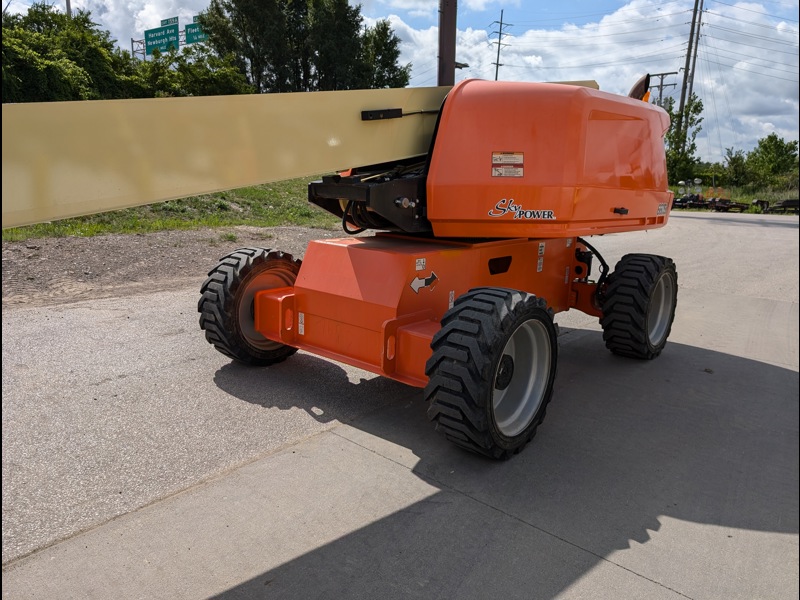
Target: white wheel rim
[516, 398]
[659, 312]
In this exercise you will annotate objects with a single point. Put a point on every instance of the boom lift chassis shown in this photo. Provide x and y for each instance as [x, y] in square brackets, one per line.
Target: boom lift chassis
[446, 296]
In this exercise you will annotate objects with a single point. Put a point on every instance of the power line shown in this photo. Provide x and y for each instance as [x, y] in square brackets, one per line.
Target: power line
[561, 36]
[648, 19]
[771, 27]
[624, 61]
[760, 73]
[751, 35]
[792, 71]
[600, 45]
[771, 59]
[724, 89]
[599, 14]
[758, 12]
[740, 43]
[659, 55]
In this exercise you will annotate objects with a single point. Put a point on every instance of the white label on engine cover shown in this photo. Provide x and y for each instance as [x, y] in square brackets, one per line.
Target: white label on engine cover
[508, 164]
[420, 264]
[507, 171]
[301, 323]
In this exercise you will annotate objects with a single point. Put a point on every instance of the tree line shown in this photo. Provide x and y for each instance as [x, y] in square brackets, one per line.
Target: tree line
[771, 166]
[304, 45]
[254, 46]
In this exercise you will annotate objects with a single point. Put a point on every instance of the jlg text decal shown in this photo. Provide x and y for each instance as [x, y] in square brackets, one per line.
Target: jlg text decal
[506, 205]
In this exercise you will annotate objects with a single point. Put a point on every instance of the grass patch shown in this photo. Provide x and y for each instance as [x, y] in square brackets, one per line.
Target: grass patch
[268, 205]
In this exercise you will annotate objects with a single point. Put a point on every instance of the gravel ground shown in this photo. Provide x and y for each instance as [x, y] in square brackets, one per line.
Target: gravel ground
[41, 272]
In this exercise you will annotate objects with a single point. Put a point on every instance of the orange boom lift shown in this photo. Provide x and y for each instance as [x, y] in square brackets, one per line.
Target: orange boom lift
[478, 244]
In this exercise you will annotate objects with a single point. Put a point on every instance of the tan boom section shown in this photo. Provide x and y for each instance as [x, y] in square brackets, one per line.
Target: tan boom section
[65, 159]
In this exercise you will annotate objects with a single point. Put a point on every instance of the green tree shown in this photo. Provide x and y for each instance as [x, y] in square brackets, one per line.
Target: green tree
[254, 33]
[201, 72]
[713, 174]
[158, 76]
[49, 56]
[298, 30]
[36, 71]
[736, 167]
[680, 138]
[223, 38]
[336, 45]
[194, 71]
[381, 53]
[773, 163]
[304, 45]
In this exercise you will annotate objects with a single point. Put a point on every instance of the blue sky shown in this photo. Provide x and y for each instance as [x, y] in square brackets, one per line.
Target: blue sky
[746, 73]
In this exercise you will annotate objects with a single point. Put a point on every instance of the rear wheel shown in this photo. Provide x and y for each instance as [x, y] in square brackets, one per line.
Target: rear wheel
[226, 303]
[639, 305]
[492, 370]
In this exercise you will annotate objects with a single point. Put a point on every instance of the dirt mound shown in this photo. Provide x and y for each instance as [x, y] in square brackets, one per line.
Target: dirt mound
[42, 272]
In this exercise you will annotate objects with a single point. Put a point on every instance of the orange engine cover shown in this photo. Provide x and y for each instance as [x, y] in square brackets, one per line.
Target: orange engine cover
[546, 160]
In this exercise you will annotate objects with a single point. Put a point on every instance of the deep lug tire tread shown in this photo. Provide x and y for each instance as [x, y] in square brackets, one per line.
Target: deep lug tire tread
[627, 298]
[219, 298]
[462, 366]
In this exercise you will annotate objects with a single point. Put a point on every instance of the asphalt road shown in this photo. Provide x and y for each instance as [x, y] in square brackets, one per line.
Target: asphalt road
[140, 463]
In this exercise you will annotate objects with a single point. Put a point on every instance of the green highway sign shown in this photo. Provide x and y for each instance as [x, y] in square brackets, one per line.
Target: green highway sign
[163, 38]
[195, 33]
[170, 21]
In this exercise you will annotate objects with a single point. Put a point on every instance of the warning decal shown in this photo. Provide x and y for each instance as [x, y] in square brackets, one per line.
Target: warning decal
[507, 164]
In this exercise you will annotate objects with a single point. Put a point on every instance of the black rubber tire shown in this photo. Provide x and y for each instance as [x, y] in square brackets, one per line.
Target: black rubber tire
[639, 305]
[226, 303]
[474, 384]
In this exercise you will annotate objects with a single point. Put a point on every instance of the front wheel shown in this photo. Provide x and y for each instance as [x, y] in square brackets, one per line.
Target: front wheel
[492, 370]
[227, 298]
[639, 305]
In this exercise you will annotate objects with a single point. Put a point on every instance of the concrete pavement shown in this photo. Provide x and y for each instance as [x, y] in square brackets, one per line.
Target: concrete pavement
[673, 478]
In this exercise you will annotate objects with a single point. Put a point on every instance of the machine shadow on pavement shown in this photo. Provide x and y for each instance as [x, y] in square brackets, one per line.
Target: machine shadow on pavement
[319, 387]
[696, 437]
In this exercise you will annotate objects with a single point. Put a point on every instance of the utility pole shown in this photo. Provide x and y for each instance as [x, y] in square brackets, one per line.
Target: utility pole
[497, 64]
[447, 42]
[686, 70]
[661, 85]
[696, 43]
[69, 10]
